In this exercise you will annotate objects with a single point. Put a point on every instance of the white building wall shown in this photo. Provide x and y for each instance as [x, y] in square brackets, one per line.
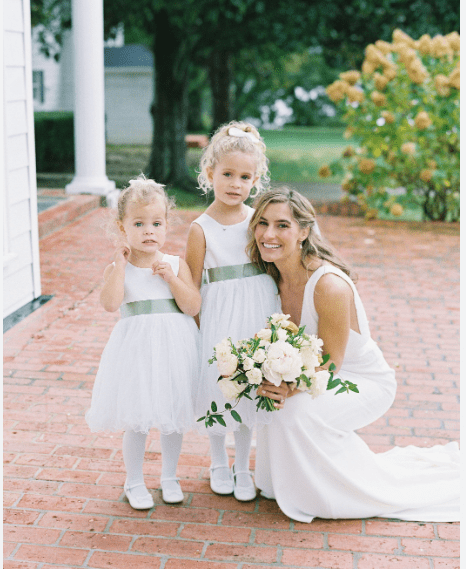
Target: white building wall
[21, 271]
[128, 97]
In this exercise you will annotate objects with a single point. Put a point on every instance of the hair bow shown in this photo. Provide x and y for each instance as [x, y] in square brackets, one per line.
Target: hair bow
[233, 131]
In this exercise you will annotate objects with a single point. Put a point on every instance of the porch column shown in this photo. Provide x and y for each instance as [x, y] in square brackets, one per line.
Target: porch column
[89, 105]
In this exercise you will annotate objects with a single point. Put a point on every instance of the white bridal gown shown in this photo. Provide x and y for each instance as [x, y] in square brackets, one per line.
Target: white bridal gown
[313, 463]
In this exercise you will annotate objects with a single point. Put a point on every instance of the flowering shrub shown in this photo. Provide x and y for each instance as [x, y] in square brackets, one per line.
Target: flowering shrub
[402, 112]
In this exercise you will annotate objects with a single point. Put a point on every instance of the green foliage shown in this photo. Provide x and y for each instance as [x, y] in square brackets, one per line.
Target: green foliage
[403, 115]
[54, 140]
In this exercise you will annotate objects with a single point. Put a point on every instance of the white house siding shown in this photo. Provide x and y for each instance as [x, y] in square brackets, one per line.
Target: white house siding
[21, 272]
[128, 97]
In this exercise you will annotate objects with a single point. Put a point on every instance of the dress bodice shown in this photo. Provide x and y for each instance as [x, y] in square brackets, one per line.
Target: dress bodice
[141, 284]
[225, 244]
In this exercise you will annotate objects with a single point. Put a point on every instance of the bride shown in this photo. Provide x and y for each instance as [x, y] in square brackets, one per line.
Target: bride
[309, 459]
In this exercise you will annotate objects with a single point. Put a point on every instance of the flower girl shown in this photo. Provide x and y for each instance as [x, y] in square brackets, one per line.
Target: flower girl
[237, 298]
[146, 373]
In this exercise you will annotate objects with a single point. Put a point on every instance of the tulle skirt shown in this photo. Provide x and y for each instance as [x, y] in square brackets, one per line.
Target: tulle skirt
[147, 376]
[236, 309]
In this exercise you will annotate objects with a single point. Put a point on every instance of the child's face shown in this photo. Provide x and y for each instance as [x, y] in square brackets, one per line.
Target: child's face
[145, 226]
[233, 177]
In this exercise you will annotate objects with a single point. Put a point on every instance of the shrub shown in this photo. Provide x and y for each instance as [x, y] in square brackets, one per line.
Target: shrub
[54, 139]
[402, 112]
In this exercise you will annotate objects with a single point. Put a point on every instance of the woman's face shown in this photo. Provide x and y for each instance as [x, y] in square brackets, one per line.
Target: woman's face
[278, 235]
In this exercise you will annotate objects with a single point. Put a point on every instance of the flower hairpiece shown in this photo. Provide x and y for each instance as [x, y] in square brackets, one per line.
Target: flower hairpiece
[233, 131]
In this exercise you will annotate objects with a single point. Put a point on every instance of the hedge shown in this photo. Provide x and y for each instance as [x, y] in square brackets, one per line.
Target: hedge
[54, 138]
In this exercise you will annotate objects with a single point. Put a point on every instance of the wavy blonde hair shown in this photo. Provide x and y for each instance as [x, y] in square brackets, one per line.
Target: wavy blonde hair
[304, 215]
[141, 190]
[222, 143]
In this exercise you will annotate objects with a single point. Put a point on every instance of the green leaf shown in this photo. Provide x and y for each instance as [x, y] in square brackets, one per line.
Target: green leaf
[325, 359]
[341, 390]
[221, 420]
[200, 419]
[213, 406]
[332, 366]
[354, 388]
[333, 383]
[227, 406]
[236, 416]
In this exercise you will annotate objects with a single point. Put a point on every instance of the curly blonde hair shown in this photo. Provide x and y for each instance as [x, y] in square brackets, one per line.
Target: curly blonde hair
[223, 143]
[304, 215]
[140, 190]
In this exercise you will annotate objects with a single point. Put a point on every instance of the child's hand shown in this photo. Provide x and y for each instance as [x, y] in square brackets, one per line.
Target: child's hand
[120, 257]
[164, 270]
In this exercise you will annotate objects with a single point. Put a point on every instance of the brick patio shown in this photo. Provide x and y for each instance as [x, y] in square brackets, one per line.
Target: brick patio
[64, 503]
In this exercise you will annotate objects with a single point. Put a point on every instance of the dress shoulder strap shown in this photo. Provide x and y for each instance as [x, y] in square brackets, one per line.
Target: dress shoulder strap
[174, 261]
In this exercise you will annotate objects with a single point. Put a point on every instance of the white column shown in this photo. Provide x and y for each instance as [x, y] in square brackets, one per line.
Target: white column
[89, 106]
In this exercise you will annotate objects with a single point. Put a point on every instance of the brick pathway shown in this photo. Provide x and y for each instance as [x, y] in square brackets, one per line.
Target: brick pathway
[64, 504]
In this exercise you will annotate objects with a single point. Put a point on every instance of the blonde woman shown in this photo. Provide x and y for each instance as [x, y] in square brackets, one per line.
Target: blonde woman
[309, 458]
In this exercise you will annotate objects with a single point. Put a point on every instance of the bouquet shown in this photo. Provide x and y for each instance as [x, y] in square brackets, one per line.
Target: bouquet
[279, 352]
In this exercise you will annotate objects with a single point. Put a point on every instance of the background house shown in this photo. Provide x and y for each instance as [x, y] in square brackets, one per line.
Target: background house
[21, 271]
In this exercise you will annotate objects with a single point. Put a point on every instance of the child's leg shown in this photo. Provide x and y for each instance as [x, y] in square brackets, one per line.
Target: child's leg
[243, 438]
[171, 448]
[134, 447]
[220, 476]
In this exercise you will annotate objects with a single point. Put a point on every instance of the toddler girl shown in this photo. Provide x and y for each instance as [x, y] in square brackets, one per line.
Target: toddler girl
[236, 297]
[145, 377]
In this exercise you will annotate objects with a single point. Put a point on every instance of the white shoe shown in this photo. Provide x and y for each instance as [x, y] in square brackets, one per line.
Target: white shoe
[136, 502]
[243, 493]
[172, 495]
[219, 486]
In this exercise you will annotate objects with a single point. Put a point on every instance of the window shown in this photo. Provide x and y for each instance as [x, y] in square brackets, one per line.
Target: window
[38, 86]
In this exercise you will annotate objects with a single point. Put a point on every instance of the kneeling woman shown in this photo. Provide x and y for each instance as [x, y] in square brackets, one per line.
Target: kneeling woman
[309, 458]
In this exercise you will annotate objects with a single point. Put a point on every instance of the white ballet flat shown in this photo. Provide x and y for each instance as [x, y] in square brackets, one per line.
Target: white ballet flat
[223, 487]
[243, 493]
[171, 496]
[137, 503]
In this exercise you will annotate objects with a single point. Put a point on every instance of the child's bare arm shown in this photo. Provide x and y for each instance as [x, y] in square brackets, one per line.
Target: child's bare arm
[113, 291]
[195, 253]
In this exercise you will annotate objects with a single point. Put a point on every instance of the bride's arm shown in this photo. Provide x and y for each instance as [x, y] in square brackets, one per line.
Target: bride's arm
[333, 298]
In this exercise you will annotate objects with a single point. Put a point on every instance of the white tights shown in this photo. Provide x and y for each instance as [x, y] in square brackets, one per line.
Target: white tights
[134, 446]
[243, 438]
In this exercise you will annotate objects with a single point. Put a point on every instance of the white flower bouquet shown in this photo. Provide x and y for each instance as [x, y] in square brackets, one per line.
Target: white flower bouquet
[279, 352]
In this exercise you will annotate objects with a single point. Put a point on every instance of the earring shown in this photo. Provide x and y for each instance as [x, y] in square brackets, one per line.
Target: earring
[300, 244]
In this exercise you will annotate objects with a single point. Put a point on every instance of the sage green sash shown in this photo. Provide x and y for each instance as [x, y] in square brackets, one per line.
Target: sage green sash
[153, 306]
[231, 272]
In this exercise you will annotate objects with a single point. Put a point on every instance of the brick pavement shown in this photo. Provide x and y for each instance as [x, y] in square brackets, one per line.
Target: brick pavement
[64, 504]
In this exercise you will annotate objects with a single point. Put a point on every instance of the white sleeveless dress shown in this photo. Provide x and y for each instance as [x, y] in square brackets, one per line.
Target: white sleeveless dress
[313, 463]
[149, 366]
[234, 308]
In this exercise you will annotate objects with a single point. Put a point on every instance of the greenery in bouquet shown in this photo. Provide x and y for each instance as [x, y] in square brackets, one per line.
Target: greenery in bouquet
[402, 111]
[279, 352]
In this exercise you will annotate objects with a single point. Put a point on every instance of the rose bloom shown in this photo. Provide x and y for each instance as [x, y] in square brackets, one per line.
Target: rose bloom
[325, 172]
[248, 363]
[441, 47]
[416, 71]
[396, 209]
[227, 365]
[259, 356]
[336, 91]
[350, 77]
[310, 359]
[366, 165]
[277, 318]
[319, 382]
[442, 85]
[454, 78]
[408, 148]
[254, 376]
[426, 175]
[402, 37]
[383, 46]
[283, 363]
[425, 44]
[378, 98]
[390, 72]
[264, 334]
[281, 334]
[354, 95]
[223, 348]
[388, 116]
[454, 40]
[368, 67]
[231, 389]
[422, 120]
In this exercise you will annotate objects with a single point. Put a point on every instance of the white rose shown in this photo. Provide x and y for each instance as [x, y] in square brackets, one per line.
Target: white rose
[279, 319]
[283, 363]
[259, 356]
[264, 344]
[227, 365]
[248, 363]
[281, 334]
[319, 383]
[310, 358]
[231, 389]
[223, 348]
[265, 334]
[254, 376]
[315, 343]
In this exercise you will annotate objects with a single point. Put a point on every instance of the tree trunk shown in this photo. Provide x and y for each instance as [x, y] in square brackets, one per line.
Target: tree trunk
[220, 75]
[167, 162]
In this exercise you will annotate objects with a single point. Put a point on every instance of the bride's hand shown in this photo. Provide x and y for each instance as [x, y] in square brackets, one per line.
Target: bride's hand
[279, 394]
